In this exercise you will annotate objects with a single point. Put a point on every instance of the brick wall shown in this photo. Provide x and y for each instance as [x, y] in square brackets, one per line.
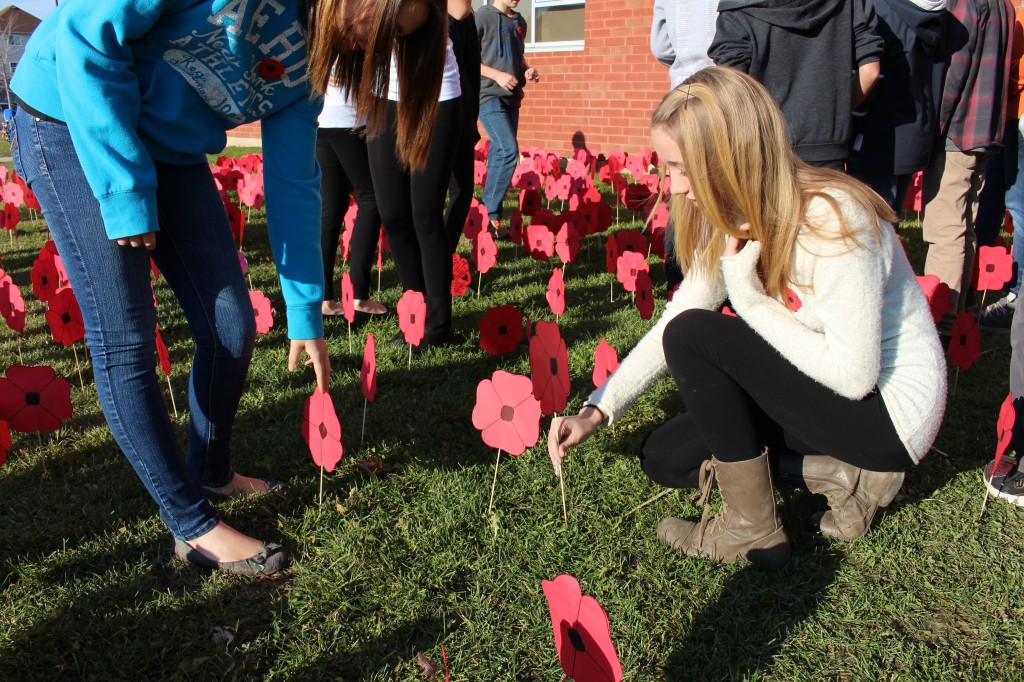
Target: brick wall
[607, 91]
[604, 93]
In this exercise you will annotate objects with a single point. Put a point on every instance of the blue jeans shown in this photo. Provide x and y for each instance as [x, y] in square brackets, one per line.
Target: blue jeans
[502, 125]
[1004, 189]
[196, 255]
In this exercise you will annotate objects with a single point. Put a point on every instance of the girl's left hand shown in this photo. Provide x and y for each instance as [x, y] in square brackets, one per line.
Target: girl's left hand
[734, 245]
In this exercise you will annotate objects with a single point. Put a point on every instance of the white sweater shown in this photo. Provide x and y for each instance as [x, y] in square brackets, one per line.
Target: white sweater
[864, 323]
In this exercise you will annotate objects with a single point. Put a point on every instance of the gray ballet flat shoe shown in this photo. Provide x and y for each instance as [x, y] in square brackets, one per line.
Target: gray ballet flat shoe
[269, 560]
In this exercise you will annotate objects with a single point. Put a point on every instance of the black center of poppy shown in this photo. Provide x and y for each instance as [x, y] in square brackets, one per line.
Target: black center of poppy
[45, 280]
[412, 319]
[507, 412]
[255, 310]
[990, 268]
[65, 318]
[502, 330]
[32, 398]
[632, 272]
[554, 366]
[323, 431]
[577, 641]
[963, 339]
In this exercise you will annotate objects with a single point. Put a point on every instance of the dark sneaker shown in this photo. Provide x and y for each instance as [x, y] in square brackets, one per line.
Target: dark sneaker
[1007, 482]
[497, 231]
[999, 315]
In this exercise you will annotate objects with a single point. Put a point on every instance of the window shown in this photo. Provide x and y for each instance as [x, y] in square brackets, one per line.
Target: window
[551, 25]
[16, 39]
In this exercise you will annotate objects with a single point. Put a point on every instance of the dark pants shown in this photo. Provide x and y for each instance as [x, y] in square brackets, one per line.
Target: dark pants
[741, 395]
[412, 207]
[460, 188]
[345, 166]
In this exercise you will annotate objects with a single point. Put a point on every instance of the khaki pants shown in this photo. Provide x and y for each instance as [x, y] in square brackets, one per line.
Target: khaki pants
[952, 183]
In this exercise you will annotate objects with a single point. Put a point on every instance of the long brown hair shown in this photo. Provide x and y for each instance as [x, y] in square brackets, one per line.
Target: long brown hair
[420, 57]
[741, 169]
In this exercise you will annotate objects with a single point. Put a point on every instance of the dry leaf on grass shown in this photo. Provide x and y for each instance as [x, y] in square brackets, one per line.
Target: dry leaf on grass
[430, 668]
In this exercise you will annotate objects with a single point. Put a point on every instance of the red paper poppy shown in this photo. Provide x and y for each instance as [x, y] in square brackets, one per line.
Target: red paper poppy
[937, 294]
[263, 311]
[479, 172]
[993, 268]
[45, 280]
[549, 367]
[653, 183]
[627, 266]
[506, 412]
[793, 301]
[606, 361]
[637, 197]
[515, 226]
[616, 160]
[5, 441]
[658, 242]
[51, 248]
[636, 165]
[658, 217]
[557, 187]
[346, 240]
[582, 633]
[644, 295]
[619, 184]
[34, 399]
[611, 254]
[461, 278]
[965, 341]
[12, 216]
[485, 252]
[528, 178]
[475, 219]
[556, 293]
[368, 371]
[501, 330]
[1004, 427]
[728, 312]
[348, 306]
[65, 317]
[412, 316]
[271, 68]
[162, 355]
[631, 240]
[912, 202]
[583, 155]
[322, 431]
[567, 242]
[243, 264]
[236, 220]
[14, 193]
[520, 31]
[543, 216]
[540, 241]
[529, 202]
[250, 192]
[12, 305]
[575, 168]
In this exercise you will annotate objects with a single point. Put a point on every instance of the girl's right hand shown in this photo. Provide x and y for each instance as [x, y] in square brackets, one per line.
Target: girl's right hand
[569, 431]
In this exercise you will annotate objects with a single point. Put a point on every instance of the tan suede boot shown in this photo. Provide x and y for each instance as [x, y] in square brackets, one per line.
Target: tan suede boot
[854, 495]
[747, 529]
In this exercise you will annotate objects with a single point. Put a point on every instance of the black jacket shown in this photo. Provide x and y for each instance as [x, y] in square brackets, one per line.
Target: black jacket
[893, 132]
[805, 52]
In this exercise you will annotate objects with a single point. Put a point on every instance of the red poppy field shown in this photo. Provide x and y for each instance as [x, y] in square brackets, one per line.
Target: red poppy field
[395, 554]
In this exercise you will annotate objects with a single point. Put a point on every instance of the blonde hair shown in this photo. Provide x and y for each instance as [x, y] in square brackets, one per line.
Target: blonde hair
[741, 169]
[420, 57]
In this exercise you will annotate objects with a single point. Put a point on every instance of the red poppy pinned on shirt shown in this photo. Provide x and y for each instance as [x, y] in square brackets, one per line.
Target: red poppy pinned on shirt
[412, 316]
[34, 399]
[606, 361]
[65, 317]
[556, 293]
[506, 412]
[539, 241]
[644, 295]
[263, 311]
[549, 367]
[368, 370]
[965, 341]
[582, 633]
[461, 278]
[993, 268]
[270, 69]
[348, 304]
[485, 251]
[501, 330]
[322, 431]
[937, 293]
[567, 242]
[628, 265]
[793, 301]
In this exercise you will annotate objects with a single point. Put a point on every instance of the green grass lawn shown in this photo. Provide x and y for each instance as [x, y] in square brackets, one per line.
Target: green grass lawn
[387, 568]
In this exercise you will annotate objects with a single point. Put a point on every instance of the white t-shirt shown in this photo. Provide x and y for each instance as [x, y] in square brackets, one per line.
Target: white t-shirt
[339, 110]
[450, 87]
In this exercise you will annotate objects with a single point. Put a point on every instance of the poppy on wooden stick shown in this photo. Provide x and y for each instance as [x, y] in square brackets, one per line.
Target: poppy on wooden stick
[549, 367]
[263, 311]
[582, 633]
[501, 330]
[34, 398]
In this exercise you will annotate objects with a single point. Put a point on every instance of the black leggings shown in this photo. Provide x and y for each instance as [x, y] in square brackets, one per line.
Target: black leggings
[412, 207]
[742, 395]
[460, 189]
[345, 166]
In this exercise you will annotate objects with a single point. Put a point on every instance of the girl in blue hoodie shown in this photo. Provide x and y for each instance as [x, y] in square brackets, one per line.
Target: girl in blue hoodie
[119, 104]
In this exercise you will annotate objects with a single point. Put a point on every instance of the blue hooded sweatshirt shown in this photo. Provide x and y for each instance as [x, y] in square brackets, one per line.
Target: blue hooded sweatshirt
[139, 81]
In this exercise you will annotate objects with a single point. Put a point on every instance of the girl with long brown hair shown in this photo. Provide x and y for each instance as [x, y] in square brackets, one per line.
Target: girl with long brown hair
[833, 354]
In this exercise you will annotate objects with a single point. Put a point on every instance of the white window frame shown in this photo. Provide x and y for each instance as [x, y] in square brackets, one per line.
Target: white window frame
[553, 46]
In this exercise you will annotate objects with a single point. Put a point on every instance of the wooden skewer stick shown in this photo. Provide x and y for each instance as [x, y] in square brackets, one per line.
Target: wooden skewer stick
[170, 391]
[657, 497]
[81, 384]
[321, 503]
[561, 484]
[494, 483]
[362, 433]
